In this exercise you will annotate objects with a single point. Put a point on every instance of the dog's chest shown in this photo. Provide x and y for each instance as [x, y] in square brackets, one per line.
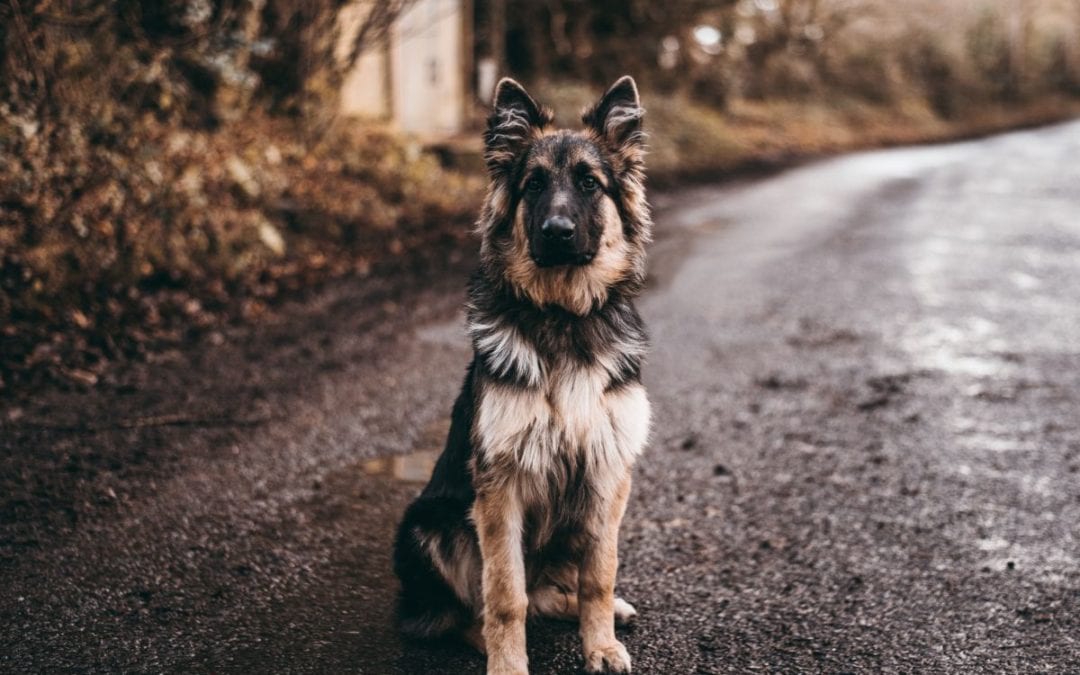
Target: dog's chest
[569, 420]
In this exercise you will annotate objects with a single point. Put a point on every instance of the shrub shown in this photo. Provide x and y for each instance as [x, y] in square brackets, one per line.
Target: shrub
[992, 57]
[933, 71]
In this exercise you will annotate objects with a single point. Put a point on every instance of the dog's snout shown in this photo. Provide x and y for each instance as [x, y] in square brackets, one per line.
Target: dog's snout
[558, 227]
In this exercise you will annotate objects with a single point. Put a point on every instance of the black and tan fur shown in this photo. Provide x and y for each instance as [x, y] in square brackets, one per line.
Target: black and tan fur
[522, 513]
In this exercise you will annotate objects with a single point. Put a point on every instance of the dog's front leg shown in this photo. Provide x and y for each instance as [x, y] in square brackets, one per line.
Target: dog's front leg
[498, 518]
[596, 585]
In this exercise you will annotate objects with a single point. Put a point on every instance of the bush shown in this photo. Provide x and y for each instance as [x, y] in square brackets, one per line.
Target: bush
[1060, 71]
[865, 73]
[933, 71]
[992, 58]
[114, 238]
[790, 76]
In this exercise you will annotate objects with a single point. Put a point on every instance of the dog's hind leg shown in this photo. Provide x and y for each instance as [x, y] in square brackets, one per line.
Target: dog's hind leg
[625, 614]
[554, 603]
[439, 567]
[474, 636]
[555, 597]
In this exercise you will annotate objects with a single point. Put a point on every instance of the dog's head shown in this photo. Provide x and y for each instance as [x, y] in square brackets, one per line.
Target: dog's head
[566, 218]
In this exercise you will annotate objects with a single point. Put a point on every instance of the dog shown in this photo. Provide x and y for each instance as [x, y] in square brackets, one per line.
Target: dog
[522, 513]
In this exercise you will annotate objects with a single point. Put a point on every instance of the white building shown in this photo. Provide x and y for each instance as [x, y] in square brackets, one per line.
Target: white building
[418, 80]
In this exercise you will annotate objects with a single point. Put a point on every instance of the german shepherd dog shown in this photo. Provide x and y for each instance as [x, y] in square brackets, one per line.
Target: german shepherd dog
[521, 516]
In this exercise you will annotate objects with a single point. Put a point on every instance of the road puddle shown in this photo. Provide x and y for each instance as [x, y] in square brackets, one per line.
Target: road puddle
[993, 443]
[414, 467]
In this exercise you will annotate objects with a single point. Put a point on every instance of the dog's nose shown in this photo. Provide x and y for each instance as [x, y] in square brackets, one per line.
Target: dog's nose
[558, 227]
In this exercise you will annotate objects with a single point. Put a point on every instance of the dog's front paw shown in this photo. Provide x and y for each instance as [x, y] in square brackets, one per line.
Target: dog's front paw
[611, 658]
[507, 664]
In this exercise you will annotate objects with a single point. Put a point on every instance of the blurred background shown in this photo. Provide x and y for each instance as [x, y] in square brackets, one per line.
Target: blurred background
[169, 166]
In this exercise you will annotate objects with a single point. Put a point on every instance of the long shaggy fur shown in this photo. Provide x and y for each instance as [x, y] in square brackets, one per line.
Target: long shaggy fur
[522, 510]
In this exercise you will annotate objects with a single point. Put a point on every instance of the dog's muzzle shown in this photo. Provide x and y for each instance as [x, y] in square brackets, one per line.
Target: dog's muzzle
[559, 243]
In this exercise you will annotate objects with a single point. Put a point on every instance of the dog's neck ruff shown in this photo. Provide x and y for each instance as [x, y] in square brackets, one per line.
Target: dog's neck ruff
[518, 343]
[556, 387]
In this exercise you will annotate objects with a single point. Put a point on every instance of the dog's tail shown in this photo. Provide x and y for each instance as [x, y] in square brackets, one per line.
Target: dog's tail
[428, 607]
[432, 623]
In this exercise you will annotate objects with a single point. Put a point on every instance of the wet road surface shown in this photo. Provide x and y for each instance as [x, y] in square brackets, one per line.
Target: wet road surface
[866, 453]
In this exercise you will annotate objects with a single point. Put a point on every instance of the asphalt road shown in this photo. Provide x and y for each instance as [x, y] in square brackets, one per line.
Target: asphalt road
[866, 455]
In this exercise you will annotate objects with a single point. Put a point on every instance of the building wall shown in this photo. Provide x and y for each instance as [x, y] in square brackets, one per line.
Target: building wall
[418, 80]
[364, 91]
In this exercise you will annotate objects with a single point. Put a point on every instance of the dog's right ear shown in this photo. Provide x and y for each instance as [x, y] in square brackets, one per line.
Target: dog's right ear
[514, 121]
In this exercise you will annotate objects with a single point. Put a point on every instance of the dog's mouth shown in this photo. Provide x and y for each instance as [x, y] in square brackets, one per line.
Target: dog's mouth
[575, 250]
[548, 259]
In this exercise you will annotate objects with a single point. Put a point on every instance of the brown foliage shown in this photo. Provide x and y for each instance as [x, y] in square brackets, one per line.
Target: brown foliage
[143, 196]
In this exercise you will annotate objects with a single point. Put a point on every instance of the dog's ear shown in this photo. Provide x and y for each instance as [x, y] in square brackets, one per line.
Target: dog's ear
[514, 121]
[616, 119]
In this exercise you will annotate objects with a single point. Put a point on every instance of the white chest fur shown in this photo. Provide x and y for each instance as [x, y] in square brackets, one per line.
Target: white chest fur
[568, 412]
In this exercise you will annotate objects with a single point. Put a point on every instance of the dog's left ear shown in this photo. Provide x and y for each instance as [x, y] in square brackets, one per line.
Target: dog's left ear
[616, 119]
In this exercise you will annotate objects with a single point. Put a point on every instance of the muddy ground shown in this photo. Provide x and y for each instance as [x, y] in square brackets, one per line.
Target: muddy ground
[865, 457]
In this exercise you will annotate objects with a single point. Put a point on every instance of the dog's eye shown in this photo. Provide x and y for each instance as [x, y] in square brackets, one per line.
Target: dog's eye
[534, 185]
[588, 184]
